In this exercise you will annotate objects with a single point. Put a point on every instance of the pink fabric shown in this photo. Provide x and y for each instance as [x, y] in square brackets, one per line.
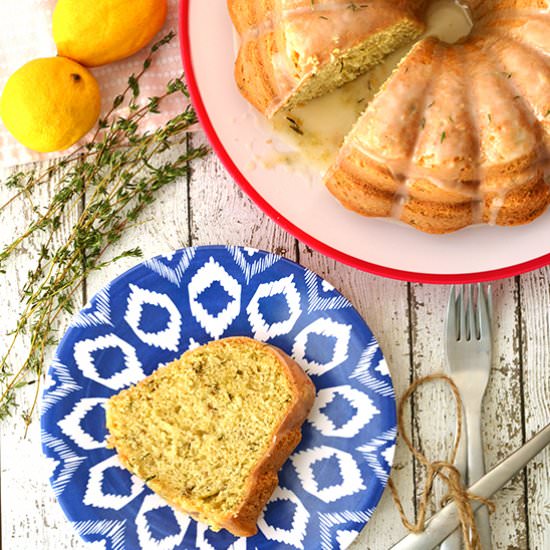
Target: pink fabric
[26, 33]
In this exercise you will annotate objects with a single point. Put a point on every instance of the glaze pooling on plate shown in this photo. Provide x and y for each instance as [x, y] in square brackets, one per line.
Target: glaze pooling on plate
[324, 122]
[147, 317]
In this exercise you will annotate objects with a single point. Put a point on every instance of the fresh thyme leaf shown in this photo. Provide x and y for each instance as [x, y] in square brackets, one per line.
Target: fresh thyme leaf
[118, 101]
[356, 7]
[109, 181]
[133, 85]
[163, 41]
[295, 125]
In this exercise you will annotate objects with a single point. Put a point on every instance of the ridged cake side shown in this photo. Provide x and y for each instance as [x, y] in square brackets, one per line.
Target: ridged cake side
[460, 133]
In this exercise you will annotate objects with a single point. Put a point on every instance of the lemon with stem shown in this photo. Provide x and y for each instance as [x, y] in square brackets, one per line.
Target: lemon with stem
[50, 103]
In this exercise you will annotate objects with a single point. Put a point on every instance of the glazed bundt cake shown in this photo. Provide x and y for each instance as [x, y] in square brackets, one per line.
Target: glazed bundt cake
[458, 135]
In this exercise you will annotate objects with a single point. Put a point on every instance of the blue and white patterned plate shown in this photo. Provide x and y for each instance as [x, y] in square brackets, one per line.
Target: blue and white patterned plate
[152, 314]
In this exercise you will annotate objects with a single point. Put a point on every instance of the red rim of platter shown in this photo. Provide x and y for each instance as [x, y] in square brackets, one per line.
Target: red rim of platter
[236, 174]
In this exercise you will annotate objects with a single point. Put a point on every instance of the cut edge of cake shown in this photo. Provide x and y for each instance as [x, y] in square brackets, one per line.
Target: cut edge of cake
[258, 76]
[348, 65]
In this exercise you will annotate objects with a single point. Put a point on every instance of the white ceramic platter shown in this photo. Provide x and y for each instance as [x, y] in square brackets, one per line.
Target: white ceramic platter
[302, 205]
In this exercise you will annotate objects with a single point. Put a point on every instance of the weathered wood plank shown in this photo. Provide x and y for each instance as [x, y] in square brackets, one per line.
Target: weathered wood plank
[222, 214]
[384, 305]
[535, 311]
[31, 517]
[434, 405]
[503, 435]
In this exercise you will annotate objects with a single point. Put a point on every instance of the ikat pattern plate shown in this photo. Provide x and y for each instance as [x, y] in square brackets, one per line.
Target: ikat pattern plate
[153, 313]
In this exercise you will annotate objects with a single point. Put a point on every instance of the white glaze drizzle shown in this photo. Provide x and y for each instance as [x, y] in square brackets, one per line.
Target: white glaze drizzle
[495, 207]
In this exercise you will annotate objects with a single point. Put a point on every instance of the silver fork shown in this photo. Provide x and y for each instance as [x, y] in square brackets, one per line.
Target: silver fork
[468, 346]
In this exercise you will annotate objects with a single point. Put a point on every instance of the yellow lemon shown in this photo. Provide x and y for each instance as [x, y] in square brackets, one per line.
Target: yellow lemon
[50, 103]
[97, 32]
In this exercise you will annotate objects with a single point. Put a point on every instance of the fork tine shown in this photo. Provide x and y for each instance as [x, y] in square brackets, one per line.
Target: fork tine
[481, 308]
[451, 314]
[470, 313]
[484, 307]
[460, 305]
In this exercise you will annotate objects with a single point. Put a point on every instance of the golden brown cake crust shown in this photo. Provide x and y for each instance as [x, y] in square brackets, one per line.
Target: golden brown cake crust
[264, 479]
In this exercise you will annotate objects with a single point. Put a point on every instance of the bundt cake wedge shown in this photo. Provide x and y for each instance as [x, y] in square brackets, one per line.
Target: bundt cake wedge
[210, 431]
[295, 50]
[512, 153]
[370, 175]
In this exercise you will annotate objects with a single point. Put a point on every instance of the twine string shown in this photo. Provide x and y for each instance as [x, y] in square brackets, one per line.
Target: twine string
[445, 470]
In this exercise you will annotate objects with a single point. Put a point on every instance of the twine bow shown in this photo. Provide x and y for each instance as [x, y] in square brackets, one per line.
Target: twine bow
[444, 470]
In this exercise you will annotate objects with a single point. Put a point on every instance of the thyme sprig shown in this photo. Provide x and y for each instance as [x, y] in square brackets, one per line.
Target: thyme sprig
[106, 183]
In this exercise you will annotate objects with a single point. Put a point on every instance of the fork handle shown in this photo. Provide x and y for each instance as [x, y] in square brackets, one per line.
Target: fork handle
[476, 470]
[454, 541]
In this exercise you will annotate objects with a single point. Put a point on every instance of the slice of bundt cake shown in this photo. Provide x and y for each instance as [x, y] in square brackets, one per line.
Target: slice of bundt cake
[210, 431]
[295, 50]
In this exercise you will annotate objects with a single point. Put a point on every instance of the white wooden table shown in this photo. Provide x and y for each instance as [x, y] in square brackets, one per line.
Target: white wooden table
[408, 321]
